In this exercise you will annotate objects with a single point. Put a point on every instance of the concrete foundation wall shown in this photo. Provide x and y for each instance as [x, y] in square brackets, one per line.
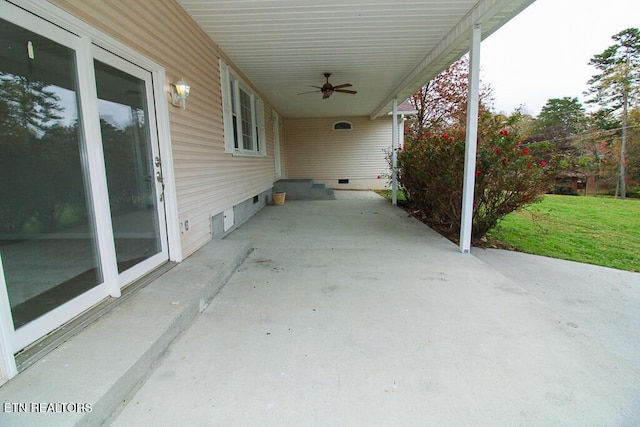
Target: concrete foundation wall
[356, 184]
[242, 212]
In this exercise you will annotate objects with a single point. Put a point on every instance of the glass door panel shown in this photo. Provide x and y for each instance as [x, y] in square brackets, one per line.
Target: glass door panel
[132, 165]
[47, 229]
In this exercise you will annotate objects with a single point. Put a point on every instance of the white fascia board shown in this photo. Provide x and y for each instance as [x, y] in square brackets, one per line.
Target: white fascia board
[492, 14]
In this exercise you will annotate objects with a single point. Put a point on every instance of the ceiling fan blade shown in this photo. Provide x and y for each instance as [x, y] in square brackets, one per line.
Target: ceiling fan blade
[343, 85]
[352, 92]
[311, 91]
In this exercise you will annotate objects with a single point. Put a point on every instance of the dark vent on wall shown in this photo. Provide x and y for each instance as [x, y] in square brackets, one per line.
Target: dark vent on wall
[256, 199]
[342, 126]
[343, 181]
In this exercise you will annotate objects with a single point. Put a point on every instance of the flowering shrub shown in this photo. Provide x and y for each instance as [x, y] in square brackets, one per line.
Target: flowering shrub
[508, 176]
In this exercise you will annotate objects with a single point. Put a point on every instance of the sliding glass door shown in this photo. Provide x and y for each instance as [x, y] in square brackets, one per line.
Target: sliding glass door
[133, 165]
[48, 233]
[81, 202]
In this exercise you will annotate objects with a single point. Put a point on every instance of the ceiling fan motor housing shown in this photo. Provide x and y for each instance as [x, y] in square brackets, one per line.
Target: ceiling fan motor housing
[328, 89]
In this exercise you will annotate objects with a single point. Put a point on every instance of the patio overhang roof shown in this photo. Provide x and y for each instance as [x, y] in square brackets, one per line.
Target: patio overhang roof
[385, 48]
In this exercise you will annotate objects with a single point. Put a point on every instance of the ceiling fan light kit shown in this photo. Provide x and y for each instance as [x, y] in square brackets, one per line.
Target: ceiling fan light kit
[328, 89]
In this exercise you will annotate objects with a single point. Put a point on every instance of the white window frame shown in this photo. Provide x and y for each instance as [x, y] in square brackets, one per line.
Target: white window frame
[231, 86]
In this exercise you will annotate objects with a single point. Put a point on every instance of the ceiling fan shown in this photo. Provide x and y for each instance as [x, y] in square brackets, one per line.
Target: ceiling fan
[327, 89]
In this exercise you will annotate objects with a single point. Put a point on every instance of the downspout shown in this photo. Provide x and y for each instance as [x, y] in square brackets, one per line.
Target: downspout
[471, 141]
[394, 154]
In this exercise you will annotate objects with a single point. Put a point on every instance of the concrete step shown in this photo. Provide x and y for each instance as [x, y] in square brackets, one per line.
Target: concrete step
[320, 192]
[104, 364]
[303, 189]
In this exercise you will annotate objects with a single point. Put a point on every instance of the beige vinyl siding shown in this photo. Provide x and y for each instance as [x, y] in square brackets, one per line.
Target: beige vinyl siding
[208, 180]
[315, 150]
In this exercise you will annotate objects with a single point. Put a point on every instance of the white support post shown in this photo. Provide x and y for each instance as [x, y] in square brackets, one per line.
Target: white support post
[7, 360]
[471, 141]
[394, 154]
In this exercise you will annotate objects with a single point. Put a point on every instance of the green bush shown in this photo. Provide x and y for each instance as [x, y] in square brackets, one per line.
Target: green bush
[565, 190]
[632, 192]
[508, 177]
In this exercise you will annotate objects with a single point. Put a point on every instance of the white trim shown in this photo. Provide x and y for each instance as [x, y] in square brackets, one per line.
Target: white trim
[8, 367]
[471, 141]
[261, 144]
[90, 119]
[394, 153]
[57, 317]
[276, 144]
[168, 170]
[227, 108]
[229, 80]
[72, 24]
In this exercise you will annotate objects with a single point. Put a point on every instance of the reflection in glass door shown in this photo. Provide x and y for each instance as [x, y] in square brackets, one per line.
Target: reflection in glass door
[129, 148]
[47, 228]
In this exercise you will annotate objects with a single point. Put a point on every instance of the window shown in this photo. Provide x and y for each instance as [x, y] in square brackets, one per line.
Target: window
[342, 125]
[243, 115]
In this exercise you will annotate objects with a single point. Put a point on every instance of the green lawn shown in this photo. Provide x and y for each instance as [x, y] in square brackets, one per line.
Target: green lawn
[595, 230]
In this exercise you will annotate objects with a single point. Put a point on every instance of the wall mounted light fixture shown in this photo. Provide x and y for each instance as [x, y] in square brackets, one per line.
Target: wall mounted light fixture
[179, 93]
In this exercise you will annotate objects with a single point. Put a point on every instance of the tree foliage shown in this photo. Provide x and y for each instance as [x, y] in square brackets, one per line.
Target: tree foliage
[616, 85]
[27, 105]
[508, 175]
[618, 72]
[560, 119]
[442, 103]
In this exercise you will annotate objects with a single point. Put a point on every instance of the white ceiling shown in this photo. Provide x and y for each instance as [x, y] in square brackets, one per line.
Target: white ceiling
[385, 48]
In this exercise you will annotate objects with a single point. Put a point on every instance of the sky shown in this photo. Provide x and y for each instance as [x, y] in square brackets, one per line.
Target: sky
[544, 52]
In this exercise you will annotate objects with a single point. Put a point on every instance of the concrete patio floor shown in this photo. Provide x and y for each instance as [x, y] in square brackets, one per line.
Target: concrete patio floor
[350, 313]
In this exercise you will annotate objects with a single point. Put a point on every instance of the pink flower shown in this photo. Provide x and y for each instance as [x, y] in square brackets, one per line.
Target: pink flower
[478, 172]
[525, 151]
[543, 163]
[497, 150]
[504, 132]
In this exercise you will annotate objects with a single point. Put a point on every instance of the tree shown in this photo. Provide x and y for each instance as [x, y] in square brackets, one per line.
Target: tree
[27, 105]
[633, 147]
[560, 119]
[595, 145]
[29, 111]
[442, 103]
[616, 85]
